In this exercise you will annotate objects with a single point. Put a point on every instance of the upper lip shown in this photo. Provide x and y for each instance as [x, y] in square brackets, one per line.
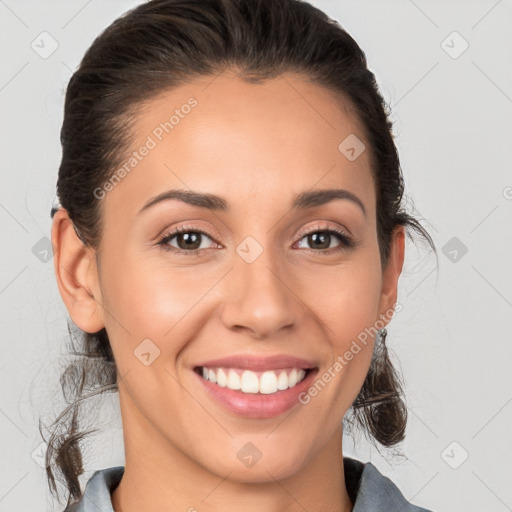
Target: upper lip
[259, 363]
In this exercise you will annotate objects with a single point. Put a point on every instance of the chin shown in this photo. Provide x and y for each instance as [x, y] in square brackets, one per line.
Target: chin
[250, 465]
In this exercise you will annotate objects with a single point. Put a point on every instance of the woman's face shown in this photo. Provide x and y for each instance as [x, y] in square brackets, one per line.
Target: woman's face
[252, 274]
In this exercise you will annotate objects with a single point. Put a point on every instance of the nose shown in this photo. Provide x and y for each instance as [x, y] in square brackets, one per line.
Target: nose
[258, 299]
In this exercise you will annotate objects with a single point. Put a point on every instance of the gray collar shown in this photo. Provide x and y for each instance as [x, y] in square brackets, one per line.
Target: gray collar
[369, 489]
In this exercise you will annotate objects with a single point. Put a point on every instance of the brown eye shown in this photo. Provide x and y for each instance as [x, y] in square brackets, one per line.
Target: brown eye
[190, 240]
[184, 240]
[321, 240]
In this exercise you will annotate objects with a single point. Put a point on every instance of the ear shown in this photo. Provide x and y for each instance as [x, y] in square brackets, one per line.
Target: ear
[77, 275]
[391, 274]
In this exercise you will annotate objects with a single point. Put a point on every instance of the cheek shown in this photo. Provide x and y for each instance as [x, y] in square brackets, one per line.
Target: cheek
[346, 299]
[145, 299]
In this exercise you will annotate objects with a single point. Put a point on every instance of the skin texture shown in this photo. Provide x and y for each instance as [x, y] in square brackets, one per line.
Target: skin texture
[257, 146]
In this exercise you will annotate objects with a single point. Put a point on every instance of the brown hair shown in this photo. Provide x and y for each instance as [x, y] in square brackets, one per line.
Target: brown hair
[160, 45]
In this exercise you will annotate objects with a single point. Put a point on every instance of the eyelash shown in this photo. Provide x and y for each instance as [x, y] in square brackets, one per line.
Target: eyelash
[346, 242]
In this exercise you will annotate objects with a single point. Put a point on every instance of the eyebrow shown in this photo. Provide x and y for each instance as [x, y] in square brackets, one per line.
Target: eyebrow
[307, 199]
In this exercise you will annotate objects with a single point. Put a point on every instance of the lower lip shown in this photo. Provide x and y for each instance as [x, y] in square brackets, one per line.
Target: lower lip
[252, 405]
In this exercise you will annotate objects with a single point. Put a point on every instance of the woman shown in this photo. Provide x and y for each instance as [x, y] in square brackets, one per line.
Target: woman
[228, 241]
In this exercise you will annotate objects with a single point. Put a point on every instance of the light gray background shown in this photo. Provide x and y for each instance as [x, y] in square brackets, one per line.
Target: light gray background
[453, 126]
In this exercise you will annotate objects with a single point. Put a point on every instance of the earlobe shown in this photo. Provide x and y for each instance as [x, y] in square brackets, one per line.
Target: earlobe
[391, 274]
[77, 275]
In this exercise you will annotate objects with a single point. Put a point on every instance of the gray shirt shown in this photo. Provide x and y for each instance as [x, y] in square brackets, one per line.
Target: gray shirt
[369, 489]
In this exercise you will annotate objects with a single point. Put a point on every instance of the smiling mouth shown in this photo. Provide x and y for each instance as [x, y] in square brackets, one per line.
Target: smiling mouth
[254, 382]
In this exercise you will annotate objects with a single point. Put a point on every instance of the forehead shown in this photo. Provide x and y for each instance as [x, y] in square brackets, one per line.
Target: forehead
[243, 140]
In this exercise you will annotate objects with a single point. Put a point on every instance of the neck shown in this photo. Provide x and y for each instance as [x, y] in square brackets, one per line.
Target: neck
[159, 476]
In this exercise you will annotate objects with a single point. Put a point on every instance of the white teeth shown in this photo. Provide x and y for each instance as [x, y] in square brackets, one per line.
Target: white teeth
[292, 378]
[282, 381]
[266, 383]
[233, 380]
[222, 378]
[249, 382]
